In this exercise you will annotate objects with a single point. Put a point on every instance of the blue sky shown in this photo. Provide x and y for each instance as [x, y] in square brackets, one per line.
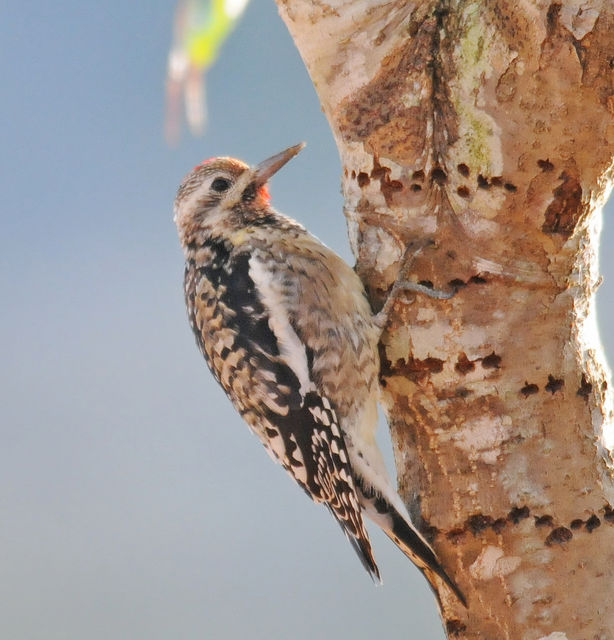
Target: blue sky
[134, 502]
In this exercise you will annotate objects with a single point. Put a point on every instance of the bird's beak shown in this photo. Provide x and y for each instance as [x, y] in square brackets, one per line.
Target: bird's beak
[270, 166]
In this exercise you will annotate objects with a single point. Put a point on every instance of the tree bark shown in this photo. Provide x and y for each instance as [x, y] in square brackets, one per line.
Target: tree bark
[487, 129]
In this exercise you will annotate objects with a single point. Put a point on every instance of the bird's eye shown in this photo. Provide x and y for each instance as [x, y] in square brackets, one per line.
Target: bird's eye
[220, 184]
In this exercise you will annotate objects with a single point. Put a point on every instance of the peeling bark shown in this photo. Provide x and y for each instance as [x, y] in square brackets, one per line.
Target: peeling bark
[486, 127]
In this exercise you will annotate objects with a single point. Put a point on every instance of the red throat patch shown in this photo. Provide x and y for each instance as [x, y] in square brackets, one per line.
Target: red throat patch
[263, 193]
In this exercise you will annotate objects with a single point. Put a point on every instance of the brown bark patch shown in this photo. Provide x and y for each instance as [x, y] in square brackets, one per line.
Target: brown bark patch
[492, 361]
[417, 370]
[499, 524]
[598, 59]
[363, 179]
[438, 175]
[388, 187]
[592, 523]
[585, 388]
[456, 283]
[463, 364]
[378, 114]
[413, 368]
[456, 536]
[455, 628]
[518, 513]
[544, 521]
[560, 535]
[529, 389]
[545, 165]
[566, 209]
[483, 182]
[554, 384]
[478, 523]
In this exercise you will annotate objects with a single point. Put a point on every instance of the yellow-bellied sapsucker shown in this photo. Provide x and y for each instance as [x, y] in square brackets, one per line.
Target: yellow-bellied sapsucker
[286, 328]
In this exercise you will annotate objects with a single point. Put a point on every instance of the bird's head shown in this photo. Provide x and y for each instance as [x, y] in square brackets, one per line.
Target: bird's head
[223, 191]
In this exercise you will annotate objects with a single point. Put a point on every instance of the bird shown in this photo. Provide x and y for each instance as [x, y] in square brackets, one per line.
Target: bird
[287, 330]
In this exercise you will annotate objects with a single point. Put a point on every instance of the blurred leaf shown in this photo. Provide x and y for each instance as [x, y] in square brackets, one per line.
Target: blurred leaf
[201, 28]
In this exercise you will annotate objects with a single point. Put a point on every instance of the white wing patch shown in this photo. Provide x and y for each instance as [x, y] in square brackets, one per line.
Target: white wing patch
[291, 348]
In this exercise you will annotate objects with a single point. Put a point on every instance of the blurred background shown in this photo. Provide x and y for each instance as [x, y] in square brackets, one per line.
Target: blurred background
[133, 501]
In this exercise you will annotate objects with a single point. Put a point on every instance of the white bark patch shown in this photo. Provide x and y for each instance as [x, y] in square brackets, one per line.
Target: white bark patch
[492, 563]
[400, 343]
[517, 481]
[425, 314]
[429, 340]
[531, 586]
[555, 635]
[475, 342]
[388, 251]
[578, 17]
[478, 225]
[483, 437]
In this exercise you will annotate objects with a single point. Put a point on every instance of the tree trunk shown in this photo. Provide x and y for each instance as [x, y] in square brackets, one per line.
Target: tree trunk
[486, 129]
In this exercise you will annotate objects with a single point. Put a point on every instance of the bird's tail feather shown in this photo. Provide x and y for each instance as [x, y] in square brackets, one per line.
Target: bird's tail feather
[362, 545]
[413, 545]
[400, 530]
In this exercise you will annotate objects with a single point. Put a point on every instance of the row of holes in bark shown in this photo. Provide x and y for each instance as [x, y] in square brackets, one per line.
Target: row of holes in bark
[493, 361]
[437, 176]
[556, 384]
[464, 365]
[478, 523]
[440, 177]
[456, 283]
[418, 369]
